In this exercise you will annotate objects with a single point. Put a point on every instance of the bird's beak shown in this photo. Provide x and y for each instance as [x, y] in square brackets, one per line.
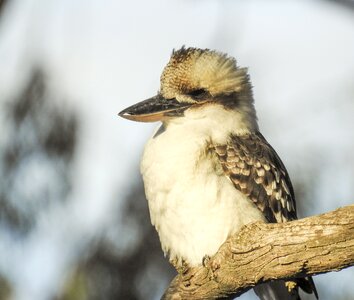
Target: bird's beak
[154, 109]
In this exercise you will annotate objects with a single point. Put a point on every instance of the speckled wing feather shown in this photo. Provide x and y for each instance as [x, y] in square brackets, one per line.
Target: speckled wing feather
[257, 171]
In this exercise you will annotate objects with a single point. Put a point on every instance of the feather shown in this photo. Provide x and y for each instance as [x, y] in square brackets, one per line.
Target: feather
[259, 173]
[256, 170]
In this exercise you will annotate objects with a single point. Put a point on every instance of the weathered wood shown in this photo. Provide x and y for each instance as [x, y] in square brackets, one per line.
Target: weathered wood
[262, 252]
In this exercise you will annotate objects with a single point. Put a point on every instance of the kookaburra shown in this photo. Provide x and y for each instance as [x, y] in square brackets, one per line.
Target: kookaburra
[208, 170]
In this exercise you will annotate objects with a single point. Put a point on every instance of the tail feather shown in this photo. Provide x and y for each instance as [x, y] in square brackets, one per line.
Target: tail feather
[275, 290]
[278, 290]
[307, 285]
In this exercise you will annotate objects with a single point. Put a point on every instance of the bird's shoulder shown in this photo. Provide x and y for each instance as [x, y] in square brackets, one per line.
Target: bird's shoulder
[256, 170]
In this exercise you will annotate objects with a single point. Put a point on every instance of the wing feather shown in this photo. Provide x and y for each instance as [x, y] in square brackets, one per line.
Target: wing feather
[257, 171]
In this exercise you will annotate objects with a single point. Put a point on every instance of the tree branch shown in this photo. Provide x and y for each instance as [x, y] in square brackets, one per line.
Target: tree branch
[261, 252]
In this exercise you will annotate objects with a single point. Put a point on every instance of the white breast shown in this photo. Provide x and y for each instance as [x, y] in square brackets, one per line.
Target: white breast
[193, 205]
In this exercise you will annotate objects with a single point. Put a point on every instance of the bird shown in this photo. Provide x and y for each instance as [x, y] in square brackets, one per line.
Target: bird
[207, 169]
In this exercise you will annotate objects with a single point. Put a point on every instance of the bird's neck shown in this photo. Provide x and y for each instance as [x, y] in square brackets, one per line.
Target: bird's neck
[216, 123]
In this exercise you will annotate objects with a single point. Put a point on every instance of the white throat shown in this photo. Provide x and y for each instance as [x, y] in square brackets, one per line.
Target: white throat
[215, 122]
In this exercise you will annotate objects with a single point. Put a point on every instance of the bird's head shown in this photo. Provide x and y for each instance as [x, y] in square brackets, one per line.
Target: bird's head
[192, 80]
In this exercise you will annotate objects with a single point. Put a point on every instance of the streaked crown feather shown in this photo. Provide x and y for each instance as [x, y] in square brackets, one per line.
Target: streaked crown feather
[191, 69]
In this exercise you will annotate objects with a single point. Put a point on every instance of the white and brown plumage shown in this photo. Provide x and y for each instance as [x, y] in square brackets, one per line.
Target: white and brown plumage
[208, 170]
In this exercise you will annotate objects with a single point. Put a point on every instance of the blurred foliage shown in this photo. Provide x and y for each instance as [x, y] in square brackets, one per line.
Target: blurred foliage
[40, 141]
[5, 289]
[2, 2]
[345, 3]
[36, 152]
[41, 138]
[76, 287]
[111, 272]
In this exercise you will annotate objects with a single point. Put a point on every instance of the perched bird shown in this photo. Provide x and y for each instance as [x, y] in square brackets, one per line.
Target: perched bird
[208, 170]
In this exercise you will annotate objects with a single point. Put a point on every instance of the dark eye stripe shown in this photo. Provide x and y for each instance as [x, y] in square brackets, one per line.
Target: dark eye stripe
[197, 93]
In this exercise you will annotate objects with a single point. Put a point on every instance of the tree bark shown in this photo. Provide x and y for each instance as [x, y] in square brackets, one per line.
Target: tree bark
[261, 252]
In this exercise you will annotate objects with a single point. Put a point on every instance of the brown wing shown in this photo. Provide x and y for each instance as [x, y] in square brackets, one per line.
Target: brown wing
[257, 171]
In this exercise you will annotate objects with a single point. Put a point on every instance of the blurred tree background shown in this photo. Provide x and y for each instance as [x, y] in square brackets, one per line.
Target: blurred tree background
[74, 221]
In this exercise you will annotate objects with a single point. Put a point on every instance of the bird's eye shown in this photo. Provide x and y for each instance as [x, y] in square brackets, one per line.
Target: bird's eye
[198, 94]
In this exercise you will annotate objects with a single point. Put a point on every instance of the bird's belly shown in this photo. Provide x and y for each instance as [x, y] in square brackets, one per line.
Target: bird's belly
[193, 206]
